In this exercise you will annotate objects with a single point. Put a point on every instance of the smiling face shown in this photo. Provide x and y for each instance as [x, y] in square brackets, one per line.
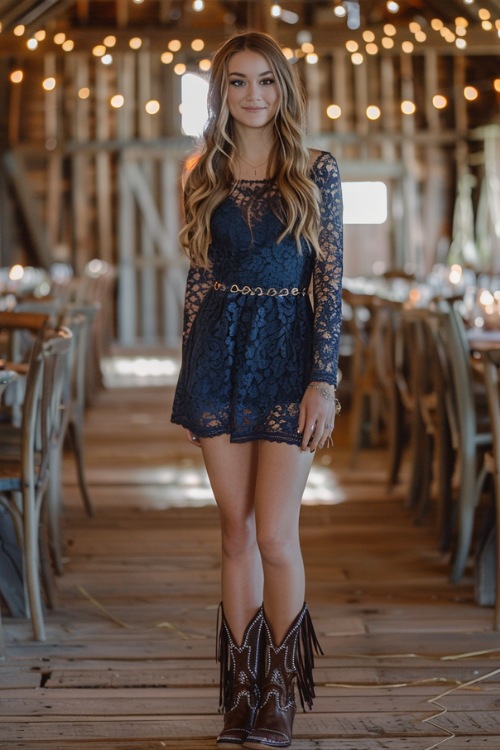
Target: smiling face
[253, 96]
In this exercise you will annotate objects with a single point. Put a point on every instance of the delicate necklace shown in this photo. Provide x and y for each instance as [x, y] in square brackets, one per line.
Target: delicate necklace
[255, 167]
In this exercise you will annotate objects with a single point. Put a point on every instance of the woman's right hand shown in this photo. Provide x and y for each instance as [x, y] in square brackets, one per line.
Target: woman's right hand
[193, 439]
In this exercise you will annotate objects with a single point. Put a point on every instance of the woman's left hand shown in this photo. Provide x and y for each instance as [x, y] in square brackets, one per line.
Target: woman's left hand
[317, 417]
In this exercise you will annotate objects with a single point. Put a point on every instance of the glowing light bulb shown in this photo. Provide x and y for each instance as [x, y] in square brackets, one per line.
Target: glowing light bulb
[373, 112]
[152, 107]
[333, 111]
[117, 101]
[408, 107]
[439, 101]
[49, 83]
[471, 93]
[16, 76]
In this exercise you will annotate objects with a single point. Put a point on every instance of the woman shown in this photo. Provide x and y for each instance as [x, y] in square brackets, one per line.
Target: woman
[257, 385]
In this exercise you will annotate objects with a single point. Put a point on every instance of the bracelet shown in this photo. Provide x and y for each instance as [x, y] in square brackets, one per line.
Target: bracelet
[326, 394]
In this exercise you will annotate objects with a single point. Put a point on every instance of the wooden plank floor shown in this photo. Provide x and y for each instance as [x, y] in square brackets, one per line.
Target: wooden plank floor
[411, 663]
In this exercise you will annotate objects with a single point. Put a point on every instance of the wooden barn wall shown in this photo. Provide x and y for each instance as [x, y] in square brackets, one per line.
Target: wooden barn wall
[89, 181]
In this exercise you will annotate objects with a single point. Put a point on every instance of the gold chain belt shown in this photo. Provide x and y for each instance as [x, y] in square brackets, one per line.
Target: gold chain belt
[258, 291]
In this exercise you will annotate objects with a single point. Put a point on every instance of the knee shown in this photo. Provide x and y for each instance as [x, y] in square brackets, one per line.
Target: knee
[238, 536]
[277, 547]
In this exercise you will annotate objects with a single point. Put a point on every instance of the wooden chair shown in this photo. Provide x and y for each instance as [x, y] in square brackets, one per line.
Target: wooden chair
[79, 318]
[70, 425]
[473, 436]
[25, 466]
[491, 363]
[367, 392]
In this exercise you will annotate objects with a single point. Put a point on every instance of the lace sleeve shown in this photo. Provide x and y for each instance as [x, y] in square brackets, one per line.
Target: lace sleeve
[327, 277]
[199, 281]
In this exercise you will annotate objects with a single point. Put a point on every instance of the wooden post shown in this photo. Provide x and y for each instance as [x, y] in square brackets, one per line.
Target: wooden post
[6, 238]
[410, 252]
[434, 186]
[80, 183]
[103, 190]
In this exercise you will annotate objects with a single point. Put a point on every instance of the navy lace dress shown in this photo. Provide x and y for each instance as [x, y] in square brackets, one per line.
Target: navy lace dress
[248, 353]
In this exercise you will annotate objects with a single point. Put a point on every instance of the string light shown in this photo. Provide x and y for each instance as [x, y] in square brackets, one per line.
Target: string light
[456, 35]
[439, 101]
[471, 93]
[117, 101]
[373, 112]
[312, 58]
[49, 83]
[408, 107]
[152, 107]
[333, 111]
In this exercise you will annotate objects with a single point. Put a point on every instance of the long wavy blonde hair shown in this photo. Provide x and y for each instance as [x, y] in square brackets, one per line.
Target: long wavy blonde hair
[209, 181]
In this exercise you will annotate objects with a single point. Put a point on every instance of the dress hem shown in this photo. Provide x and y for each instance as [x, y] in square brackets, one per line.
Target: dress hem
[271, 437]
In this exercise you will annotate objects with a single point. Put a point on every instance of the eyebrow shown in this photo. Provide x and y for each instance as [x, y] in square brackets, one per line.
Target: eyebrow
[242, 75]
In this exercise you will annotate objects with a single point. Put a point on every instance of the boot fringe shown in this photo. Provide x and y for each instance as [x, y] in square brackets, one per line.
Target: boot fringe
[307, 644]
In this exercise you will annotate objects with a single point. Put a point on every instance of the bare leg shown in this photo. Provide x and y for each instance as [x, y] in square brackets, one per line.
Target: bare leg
[232, 469]
[281, 478]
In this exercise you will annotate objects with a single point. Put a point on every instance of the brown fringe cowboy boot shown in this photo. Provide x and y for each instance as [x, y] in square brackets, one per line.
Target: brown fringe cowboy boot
[292, 660]
[240, 673]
